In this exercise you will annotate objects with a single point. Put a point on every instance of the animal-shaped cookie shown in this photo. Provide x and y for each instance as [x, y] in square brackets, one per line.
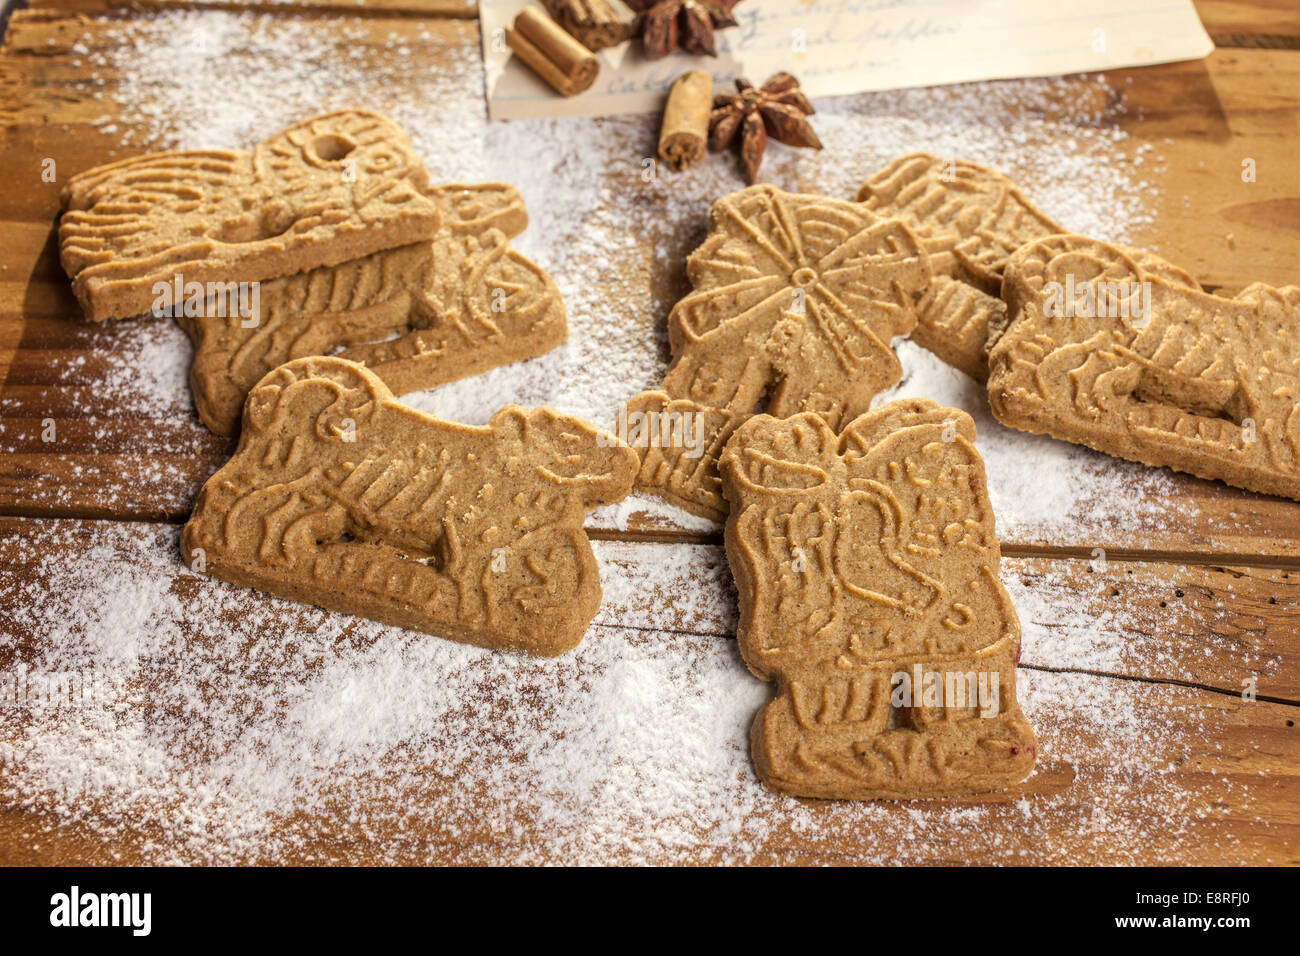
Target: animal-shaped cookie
[867, 568]
[970, 219]
[1103, 351]
[418, 316]
[340, 496]
[796, 301]
[330, 189]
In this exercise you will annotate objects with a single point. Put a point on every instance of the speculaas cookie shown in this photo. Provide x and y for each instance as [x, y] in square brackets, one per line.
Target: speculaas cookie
[418, 316]
[867, 568]
[1102, 350]
[796, 301]
[330, 189]
[340, 496]
[970, 219]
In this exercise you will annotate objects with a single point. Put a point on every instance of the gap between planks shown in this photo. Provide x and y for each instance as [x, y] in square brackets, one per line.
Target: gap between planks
[1009, 550]
[1107, 675]
[1207, 686]
[1211, 559]
[1192, 685]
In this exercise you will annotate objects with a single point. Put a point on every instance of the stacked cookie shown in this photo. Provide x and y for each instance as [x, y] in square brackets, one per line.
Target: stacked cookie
[331, 234]
[1097, 343]
[319, 275]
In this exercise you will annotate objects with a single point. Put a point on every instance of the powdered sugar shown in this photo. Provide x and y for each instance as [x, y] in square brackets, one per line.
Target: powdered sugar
[225, 725]
[236, 726]
[1039, 487]
[614, 230]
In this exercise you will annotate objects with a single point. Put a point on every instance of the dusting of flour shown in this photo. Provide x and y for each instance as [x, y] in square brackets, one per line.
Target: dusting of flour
[226, 725]
[213, 724]
[615, 234]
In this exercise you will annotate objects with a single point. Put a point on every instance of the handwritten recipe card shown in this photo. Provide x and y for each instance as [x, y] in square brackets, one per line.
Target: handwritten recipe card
[851, 46]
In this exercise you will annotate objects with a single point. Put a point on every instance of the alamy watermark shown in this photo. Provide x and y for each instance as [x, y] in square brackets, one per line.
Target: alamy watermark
[1095, 299]
[652, 429]
[953, 689]
[130, 910]
[215, 299]
[31, 688]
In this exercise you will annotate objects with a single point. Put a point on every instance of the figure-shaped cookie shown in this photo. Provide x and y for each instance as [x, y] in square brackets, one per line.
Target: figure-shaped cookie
[324, 191]
[970, 219]
[1104, 352]
[867, 568]
[796, 301]
[340, 496]
[418, 316]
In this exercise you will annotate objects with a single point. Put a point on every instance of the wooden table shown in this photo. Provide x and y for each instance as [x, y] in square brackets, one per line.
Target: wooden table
[1220, 585]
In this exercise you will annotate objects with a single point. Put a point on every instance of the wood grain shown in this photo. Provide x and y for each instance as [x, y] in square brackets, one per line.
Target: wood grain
[1171, 621]
[464, 9]
[1251, 23]
[107, 464]
[1226, 790]
[1204, 119]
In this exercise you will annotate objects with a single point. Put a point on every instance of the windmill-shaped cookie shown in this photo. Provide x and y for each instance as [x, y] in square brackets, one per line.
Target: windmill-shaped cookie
[796, 301]
[418, 316]
[324, 191]
[867, 568]
[341, 496]
[1105, 349]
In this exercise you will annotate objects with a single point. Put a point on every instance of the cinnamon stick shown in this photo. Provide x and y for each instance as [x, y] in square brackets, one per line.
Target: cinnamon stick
[593, 22]
[685, 130]
[556, 57]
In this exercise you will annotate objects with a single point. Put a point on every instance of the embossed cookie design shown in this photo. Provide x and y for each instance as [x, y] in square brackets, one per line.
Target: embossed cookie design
[796, 300]
[970, 220]
[418, 316]
[867, 567]
[330, 189]
[1104, 351]
[340, 496]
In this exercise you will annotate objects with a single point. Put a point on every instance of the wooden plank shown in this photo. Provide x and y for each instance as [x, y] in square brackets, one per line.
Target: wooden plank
[1203, 119]
[466, 9]
[1221, 628]
[150, 460]
[1251, 22]
[1226, 628]
[1229, 22]
[1231, 801]
[356, 743]
[1209, 627]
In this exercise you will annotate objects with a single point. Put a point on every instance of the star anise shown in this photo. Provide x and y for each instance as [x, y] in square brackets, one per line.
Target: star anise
[776, 109]
[667, 25]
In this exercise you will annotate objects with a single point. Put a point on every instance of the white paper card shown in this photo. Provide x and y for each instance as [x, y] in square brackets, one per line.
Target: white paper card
[851, 46]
